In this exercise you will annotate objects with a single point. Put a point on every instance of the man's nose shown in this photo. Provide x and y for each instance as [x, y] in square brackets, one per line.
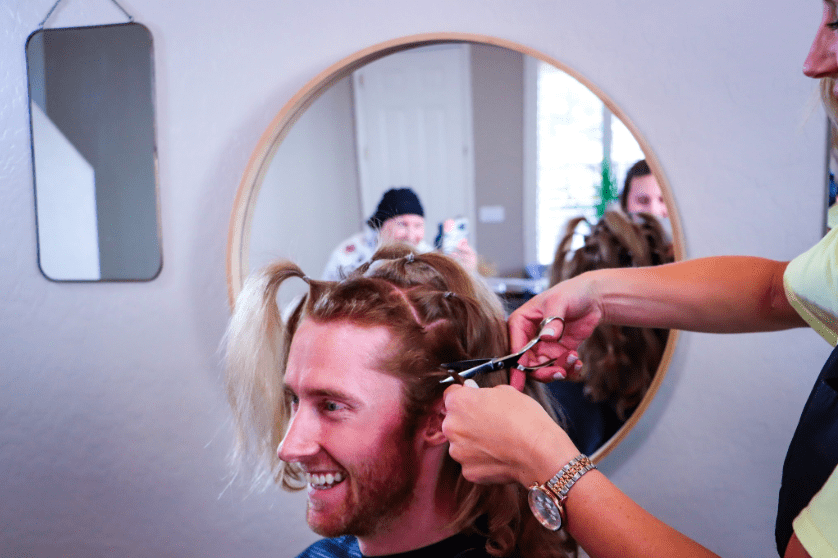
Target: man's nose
[661, 209]
[300, 441]
[821, 60]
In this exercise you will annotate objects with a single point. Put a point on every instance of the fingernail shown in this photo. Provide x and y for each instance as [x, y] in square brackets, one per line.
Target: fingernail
[470, 383]
[548, 331]
[572, 358]
[559, 376]
[578, 366]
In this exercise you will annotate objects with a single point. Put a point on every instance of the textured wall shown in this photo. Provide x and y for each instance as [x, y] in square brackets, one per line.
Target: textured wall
[113, 426]
[499, 155]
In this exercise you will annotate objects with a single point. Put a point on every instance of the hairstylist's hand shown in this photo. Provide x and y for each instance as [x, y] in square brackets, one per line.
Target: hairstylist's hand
[500, 435]
[575, 302]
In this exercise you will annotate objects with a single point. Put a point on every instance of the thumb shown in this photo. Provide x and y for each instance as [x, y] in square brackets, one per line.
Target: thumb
[450, 391]
[553, 329]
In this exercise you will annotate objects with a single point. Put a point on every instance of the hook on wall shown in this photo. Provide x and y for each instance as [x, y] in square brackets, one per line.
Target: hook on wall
[54, 6]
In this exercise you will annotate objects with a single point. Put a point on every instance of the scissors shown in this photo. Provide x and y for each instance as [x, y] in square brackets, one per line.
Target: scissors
[465, 369]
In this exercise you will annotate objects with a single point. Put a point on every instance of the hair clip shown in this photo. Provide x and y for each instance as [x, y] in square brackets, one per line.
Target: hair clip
[448, 294]
[409, 257]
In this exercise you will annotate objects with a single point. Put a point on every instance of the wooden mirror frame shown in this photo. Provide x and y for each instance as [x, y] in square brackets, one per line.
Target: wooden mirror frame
[243, 206]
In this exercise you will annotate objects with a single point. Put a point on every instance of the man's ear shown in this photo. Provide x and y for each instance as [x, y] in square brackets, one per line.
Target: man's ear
[432, 427]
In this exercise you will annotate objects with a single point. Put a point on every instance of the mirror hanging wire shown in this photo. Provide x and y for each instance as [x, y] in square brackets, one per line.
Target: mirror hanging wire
[54, 6]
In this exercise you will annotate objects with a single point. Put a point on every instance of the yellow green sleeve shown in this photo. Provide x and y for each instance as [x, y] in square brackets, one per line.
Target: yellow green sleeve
[816, 525]
[810, 284]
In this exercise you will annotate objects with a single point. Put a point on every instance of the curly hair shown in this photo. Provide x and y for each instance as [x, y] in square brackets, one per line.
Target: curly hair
[618, 362]
[436, 312]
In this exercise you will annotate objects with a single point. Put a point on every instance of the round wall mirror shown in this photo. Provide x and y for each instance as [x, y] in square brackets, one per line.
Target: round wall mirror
[510, 141]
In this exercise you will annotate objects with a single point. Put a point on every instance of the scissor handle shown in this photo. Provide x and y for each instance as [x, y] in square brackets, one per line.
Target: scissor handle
[537, 367]
[544, 323]
[542, 326]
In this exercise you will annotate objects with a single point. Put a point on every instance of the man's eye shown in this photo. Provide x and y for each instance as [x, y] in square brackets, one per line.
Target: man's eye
[332, 406]
[293, 401]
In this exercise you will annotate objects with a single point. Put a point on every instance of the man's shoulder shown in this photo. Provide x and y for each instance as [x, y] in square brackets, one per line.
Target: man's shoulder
[339, 547]
[349, 255]
[457, 546]
[367, 239]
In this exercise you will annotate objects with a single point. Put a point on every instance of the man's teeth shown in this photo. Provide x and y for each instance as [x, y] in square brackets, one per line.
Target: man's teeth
[324, 480]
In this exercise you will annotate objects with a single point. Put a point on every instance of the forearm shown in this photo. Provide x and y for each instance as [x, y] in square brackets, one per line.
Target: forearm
[604, 520]
[727, 294]
[608, 524]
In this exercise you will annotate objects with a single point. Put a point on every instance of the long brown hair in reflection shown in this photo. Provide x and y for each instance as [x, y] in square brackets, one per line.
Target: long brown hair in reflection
[619, 362]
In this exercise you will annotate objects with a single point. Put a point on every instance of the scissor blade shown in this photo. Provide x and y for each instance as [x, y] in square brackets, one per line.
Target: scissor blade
[464, 365]
[485, 366]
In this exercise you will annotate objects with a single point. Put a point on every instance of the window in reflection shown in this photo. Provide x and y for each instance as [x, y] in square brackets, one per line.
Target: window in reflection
[575, 133]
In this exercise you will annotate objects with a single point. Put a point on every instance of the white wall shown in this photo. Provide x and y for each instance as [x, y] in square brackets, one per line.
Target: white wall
[113, 426]
[310, 199]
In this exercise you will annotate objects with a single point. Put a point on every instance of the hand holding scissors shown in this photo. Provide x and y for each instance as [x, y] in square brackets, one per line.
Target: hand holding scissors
[465, 369]
[578, 302]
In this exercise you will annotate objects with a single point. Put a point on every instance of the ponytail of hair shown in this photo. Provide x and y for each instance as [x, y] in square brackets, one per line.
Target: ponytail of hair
[256, 343]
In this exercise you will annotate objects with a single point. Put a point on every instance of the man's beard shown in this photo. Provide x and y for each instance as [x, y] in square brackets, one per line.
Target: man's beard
[377, 493]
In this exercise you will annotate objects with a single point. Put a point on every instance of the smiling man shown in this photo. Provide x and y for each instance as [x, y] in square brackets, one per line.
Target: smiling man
[344, 399]
[362, 460]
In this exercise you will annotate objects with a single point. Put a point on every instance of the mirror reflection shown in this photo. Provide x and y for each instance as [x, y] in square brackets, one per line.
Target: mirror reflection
[511, 144]
[93, 152]
[499, 146]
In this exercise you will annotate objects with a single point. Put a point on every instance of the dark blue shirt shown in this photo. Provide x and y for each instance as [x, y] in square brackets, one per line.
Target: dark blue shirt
[457, 546]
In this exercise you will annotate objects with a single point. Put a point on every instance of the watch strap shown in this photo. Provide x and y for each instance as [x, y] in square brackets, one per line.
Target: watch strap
[558, 486]
[565, 478]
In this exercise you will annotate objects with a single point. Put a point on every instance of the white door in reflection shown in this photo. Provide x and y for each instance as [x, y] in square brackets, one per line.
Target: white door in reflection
[414, 128]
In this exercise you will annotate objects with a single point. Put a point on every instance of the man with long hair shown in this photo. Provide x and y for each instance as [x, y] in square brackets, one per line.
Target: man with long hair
[348, 388]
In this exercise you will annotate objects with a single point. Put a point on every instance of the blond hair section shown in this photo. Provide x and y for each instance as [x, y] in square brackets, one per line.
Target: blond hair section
[827, 88]
[257, 343]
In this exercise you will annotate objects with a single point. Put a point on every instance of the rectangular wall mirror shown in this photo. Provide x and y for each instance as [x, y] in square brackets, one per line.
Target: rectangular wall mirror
[91, 97]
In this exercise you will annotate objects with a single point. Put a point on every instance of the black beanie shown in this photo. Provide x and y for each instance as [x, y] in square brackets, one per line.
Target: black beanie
[396, 201]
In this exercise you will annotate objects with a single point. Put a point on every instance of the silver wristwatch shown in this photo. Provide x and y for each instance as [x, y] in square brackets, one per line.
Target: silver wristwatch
[547, 500]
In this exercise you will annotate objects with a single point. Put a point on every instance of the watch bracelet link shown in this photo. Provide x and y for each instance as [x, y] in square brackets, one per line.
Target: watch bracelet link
[565, 478]
[564, 470]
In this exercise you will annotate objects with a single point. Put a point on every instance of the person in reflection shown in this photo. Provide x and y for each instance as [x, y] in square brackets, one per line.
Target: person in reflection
[399, 217]
[344, 399]
[618, 362]
[641, 192]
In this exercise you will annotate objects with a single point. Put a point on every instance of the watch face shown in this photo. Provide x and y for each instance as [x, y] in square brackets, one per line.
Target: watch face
[545, 507]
